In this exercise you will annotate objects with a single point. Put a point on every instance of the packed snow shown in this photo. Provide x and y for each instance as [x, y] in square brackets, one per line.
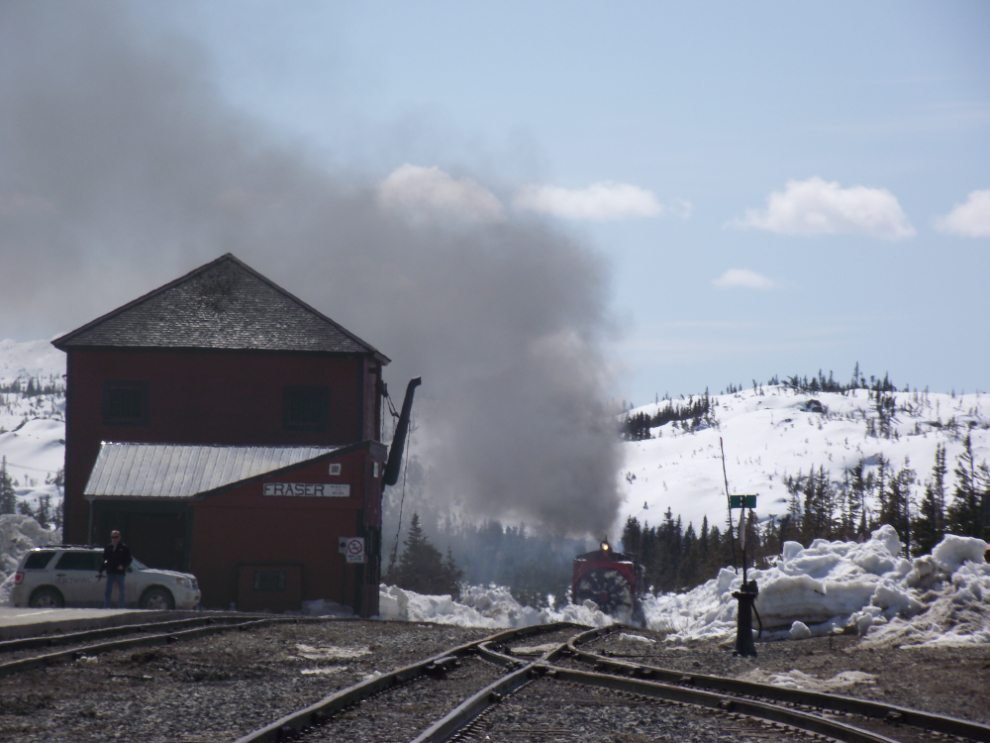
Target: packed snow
[18, 535]
[869, 589]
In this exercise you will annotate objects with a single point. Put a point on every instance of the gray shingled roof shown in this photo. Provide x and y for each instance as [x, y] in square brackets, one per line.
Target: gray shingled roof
[222, 305]
[171, 471]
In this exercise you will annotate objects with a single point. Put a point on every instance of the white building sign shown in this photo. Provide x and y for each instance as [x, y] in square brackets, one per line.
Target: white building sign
[310, 489]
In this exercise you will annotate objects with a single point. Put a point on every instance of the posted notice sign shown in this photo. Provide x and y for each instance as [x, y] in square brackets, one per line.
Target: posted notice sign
[310, 489]
[353, 549]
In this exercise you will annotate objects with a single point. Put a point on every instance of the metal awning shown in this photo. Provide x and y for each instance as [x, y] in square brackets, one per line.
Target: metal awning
[171, 471]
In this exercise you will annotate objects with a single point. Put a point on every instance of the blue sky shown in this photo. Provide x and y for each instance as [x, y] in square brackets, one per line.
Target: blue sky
[716, 105]
[764, 181]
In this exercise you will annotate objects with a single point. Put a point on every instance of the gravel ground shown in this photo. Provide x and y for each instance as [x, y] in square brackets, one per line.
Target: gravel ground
[947, 681]
[219, 688]
[407, 711]
[552, 711]
[212, 689]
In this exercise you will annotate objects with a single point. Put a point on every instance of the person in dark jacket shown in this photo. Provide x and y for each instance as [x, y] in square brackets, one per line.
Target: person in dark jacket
[116, 558]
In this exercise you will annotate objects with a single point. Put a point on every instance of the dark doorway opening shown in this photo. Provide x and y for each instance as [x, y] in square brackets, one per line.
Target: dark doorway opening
[156, 538]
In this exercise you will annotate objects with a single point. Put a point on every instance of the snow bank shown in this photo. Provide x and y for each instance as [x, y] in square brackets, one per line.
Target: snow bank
[934, 599]
[867, 588]
[18, 534]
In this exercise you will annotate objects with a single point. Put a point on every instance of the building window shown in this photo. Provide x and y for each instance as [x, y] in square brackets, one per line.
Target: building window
[269, 580]
[307, 408]
[125, 403]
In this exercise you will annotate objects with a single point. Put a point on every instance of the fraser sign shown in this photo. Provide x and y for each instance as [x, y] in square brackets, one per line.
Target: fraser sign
[310, 489]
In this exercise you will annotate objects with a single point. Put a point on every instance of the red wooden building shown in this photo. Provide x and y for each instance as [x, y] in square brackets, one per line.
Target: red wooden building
[229, 429]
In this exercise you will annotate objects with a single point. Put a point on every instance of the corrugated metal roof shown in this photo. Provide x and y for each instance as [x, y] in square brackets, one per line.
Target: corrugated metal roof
[176, 471]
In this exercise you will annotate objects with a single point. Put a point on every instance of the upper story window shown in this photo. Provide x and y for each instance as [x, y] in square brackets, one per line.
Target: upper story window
[125, 403]
[306, 408]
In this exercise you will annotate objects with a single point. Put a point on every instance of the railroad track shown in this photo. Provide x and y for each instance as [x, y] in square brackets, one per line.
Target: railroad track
[71, 646]
[558, 689]
[545, 683]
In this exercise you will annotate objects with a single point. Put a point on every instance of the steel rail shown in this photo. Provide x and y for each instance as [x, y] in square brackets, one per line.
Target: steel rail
[40, 661]
[71, 638]
[471, 708]
[468, 712]
[775, 713]
[835, 702]
[320, 713]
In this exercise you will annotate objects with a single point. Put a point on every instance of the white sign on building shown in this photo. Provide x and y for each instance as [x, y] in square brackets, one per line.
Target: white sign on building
[310, 489]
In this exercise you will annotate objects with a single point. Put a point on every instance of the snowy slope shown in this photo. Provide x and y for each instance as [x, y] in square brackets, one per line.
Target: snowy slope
[32, 427]
[30, 359]
[771, 433]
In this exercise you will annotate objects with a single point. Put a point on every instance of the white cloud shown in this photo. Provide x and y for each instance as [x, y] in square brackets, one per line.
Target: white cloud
[606, 200]
[425, 193]
[971, 219]
[743, 277]
[814, 207]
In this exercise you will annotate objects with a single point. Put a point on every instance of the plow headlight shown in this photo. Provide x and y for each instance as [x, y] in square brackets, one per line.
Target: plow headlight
[604, 546]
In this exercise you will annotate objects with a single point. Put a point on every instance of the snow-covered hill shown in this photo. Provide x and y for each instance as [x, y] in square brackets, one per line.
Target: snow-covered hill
[775, 431]
[32, 418]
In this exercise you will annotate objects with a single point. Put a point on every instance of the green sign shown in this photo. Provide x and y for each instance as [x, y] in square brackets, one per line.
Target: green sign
[742, 501]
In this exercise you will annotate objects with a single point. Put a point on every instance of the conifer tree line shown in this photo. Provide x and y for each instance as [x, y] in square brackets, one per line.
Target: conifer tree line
[35, 386]
[700, 412]
[827, 509]
[678, 559]
[46, 513]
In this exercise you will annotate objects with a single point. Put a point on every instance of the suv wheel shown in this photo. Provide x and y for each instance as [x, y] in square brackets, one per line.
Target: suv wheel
[158, 599]
[46, 598]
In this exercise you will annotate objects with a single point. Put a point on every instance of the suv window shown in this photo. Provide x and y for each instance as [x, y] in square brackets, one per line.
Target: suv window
[38, 560]
[80, 561]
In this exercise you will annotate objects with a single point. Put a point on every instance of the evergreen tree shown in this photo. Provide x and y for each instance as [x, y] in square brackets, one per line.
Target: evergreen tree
[421, 567]
[43, 514]
[8, 498]
[632, 534]
[896, 504]
[929, 525]
[965, 514]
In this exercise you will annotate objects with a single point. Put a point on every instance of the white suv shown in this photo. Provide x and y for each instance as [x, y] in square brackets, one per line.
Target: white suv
[53, 577]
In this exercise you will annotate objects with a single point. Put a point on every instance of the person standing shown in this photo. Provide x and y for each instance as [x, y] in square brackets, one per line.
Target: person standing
[116, 558]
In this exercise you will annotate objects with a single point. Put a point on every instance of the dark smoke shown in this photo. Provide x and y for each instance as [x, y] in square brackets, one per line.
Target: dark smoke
[122, 167]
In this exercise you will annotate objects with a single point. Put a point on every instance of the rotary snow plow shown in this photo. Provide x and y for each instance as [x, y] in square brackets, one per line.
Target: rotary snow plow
[612, 580]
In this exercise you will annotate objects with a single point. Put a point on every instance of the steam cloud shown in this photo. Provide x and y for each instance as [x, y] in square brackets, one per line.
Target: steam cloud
[122, 167]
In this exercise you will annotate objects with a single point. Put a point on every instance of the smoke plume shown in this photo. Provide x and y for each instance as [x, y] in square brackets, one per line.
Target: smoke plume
[122, 167]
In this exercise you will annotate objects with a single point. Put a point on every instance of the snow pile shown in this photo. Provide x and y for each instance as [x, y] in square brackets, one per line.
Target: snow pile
[19, 534]
[832, 586]
[827, 587]
[491, 607]
[804, 682]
